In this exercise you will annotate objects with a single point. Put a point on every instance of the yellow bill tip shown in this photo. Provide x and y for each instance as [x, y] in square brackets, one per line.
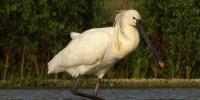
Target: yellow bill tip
[161, 64]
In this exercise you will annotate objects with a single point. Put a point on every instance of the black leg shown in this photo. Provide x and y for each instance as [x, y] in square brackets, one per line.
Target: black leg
[97, 86]
[75, 83]
[76, 92]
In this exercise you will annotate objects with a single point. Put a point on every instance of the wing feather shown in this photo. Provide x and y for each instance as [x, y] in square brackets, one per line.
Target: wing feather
[74, 35]
[86, 49]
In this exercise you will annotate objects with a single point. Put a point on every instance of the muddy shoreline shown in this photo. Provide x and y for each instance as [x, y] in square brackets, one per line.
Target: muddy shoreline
[106, 83]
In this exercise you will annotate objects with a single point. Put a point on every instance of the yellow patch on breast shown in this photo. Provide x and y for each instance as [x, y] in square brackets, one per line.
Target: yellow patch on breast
[119, 45]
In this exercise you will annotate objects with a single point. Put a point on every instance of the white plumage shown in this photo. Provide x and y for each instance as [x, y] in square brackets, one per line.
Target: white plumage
[96, 50]
[73, 35]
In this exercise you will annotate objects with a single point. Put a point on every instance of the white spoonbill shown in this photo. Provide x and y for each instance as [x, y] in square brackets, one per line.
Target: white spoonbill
[96, 50]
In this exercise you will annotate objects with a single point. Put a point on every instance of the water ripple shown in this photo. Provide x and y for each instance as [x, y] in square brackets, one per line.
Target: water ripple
[109, 94]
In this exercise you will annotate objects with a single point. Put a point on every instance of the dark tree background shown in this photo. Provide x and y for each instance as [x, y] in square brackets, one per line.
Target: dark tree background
[33, 31]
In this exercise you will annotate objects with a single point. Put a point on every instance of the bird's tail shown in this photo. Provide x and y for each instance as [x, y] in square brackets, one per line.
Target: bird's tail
[53, 65]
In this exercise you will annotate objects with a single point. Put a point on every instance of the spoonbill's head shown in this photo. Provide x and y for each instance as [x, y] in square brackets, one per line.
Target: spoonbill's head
[127, 18]
[132, 18]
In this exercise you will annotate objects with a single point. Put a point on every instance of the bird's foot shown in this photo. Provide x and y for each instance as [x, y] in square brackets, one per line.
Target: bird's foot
[92, 97]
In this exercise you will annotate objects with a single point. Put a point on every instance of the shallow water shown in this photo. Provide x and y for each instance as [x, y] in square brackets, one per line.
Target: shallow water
[108, 94]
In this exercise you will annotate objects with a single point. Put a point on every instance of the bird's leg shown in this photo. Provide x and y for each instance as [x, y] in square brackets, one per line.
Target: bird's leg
[74, 86]
[76, 92]
[97, 86]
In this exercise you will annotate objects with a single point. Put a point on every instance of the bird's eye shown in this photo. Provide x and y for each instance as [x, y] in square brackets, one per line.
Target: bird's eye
[134, 18]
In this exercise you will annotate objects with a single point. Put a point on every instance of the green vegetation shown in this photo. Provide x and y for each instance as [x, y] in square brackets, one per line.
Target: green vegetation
[33, 31]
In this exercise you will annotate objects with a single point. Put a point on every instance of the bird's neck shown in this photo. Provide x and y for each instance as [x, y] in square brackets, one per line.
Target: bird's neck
[127, 39]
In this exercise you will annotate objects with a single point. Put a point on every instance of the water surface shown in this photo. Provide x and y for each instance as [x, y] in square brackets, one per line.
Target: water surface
[108, 94]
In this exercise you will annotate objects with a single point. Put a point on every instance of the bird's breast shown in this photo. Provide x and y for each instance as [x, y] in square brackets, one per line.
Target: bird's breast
[125, 48]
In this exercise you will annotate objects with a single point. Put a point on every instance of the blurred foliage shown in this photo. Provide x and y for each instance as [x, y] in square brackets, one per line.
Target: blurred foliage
[33, 31]
[174, 26]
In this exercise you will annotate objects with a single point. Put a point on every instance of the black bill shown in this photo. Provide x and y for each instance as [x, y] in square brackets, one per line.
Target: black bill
[146, 39]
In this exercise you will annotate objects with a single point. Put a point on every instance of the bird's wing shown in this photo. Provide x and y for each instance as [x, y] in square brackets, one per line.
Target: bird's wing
[74, 35]
[88, 48]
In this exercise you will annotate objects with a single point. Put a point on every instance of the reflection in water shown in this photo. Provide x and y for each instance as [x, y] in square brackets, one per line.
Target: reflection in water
[108, 94]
